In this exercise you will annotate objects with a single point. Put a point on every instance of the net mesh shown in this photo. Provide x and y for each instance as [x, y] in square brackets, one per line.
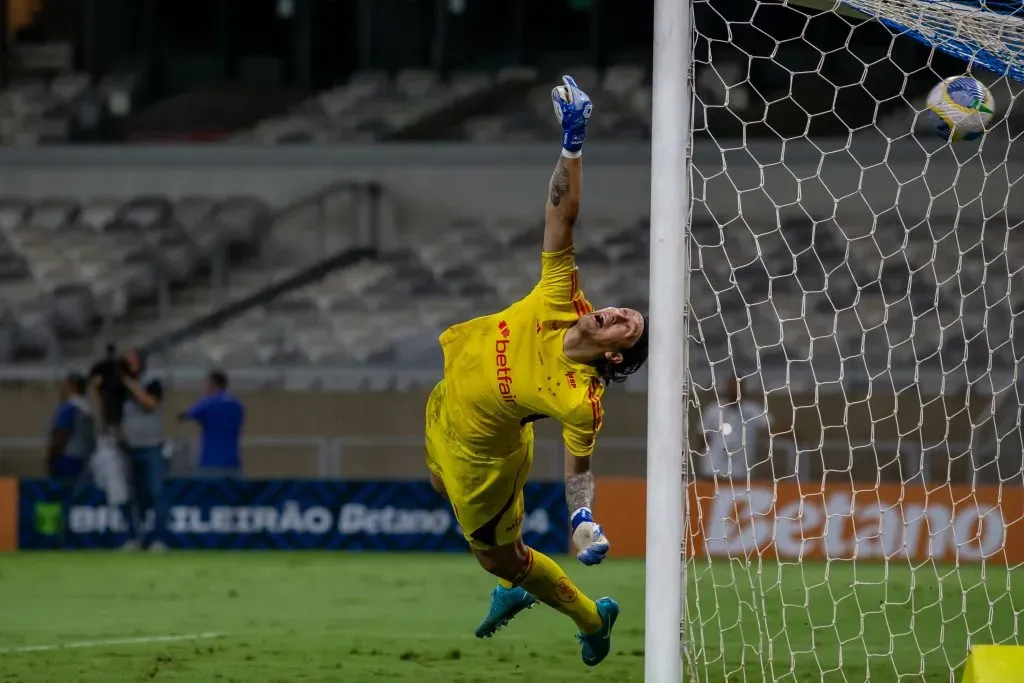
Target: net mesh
[856, 320]
[989, 34]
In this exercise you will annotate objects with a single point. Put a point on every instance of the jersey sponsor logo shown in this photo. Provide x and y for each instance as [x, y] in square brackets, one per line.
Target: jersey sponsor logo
[501, 362]
[570, 377]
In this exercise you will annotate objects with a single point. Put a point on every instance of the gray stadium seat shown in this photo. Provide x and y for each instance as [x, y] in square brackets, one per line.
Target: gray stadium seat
[65, 264]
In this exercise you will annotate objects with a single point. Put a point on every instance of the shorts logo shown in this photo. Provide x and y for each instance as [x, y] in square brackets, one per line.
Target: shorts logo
[501, 362]
[565, 591]
[571, 378]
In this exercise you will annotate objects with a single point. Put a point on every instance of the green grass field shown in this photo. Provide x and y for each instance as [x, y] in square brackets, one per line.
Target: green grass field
[294, 617]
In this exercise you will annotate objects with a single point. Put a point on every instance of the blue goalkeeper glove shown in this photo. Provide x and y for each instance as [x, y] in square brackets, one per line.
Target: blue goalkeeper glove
[589, 538]
[572, 108]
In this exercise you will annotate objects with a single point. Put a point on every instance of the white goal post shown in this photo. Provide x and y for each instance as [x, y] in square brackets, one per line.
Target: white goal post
[835, 466]
[670, 200]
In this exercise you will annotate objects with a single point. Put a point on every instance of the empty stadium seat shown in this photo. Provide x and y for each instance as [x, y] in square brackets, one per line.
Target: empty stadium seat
[64, 264]
[36, 111]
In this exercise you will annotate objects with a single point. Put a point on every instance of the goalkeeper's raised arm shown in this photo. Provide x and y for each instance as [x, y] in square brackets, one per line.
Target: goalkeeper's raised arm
[573, 108]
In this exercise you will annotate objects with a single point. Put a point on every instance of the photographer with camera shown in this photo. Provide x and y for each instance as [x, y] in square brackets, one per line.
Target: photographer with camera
[130, 409]
[108, 466]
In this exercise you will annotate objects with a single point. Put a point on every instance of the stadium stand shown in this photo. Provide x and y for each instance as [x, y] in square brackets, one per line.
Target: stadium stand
[419, 104]
[865, 301]
[70, 262]
[508, 105]
[392, 309]
[737, 96]
[623, 91]
[374, 106]
[68, 107]
[71, 271]
[34, 111]
[759, 294]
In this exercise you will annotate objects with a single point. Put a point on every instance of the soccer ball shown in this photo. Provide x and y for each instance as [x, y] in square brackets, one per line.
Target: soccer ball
[959, 108]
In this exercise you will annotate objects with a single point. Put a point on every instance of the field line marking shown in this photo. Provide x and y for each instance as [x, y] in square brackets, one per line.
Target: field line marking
[139, 640]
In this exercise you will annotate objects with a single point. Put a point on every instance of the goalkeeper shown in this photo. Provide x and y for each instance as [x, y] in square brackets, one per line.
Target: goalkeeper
[548, 355]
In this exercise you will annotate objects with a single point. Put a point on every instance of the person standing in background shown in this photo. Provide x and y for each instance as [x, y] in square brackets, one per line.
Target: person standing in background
[221, 417]
[142, 435]
[108, 466]
[732, 427]
[72, 432]
[72, 441]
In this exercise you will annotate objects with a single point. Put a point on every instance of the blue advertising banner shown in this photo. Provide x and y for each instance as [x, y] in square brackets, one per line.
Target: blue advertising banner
[235, 514]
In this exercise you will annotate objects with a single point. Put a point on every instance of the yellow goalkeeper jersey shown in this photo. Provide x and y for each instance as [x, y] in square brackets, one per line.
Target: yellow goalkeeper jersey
[506, 370]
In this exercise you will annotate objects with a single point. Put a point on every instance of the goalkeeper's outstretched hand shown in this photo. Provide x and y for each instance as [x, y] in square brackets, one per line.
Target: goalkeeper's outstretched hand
[572, 108]
[589, 538]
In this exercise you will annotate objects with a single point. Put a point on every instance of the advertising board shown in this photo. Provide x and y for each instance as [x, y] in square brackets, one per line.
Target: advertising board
[790, 521]
[239, 514]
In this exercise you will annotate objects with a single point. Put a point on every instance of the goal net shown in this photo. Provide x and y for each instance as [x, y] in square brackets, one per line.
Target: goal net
[855, 492]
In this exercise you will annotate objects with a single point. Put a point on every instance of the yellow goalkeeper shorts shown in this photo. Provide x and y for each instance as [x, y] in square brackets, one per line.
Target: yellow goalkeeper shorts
[486, 495]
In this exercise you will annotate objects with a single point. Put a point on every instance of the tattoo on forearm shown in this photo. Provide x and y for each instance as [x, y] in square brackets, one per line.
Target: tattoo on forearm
[559, 187]
[579, 491]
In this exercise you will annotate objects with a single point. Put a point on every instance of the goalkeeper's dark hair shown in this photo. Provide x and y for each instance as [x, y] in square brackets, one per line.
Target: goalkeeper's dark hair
[633, 359]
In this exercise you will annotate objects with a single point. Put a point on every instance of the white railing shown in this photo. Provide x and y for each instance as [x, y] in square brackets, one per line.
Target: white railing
[330, 451]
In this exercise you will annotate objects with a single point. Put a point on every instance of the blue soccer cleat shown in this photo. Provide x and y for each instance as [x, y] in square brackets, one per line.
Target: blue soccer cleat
[596, 646]
[506, 603]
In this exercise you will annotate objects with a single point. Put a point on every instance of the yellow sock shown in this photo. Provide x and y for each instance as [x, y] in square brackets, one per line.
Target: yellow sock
[548, 583]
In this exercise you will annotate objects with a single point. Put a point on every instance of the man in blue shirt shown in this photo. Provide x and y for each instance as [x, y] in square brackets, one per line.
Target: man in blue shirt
[72, 432]
[72, 440]
[221, 416]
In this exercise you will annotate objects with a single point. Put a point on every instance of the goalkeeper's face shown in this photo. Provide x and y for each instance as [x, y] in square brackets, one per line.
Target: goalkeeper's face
[612, 330]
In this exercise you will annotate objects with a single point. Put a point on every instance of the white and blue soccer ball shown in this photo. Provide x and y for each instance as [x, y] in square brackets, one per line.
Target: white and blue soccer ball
[960, 108]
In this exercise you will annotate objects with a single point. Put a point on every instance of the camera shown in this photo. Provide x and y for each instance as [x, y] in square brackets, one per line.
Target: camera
[112, 391]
